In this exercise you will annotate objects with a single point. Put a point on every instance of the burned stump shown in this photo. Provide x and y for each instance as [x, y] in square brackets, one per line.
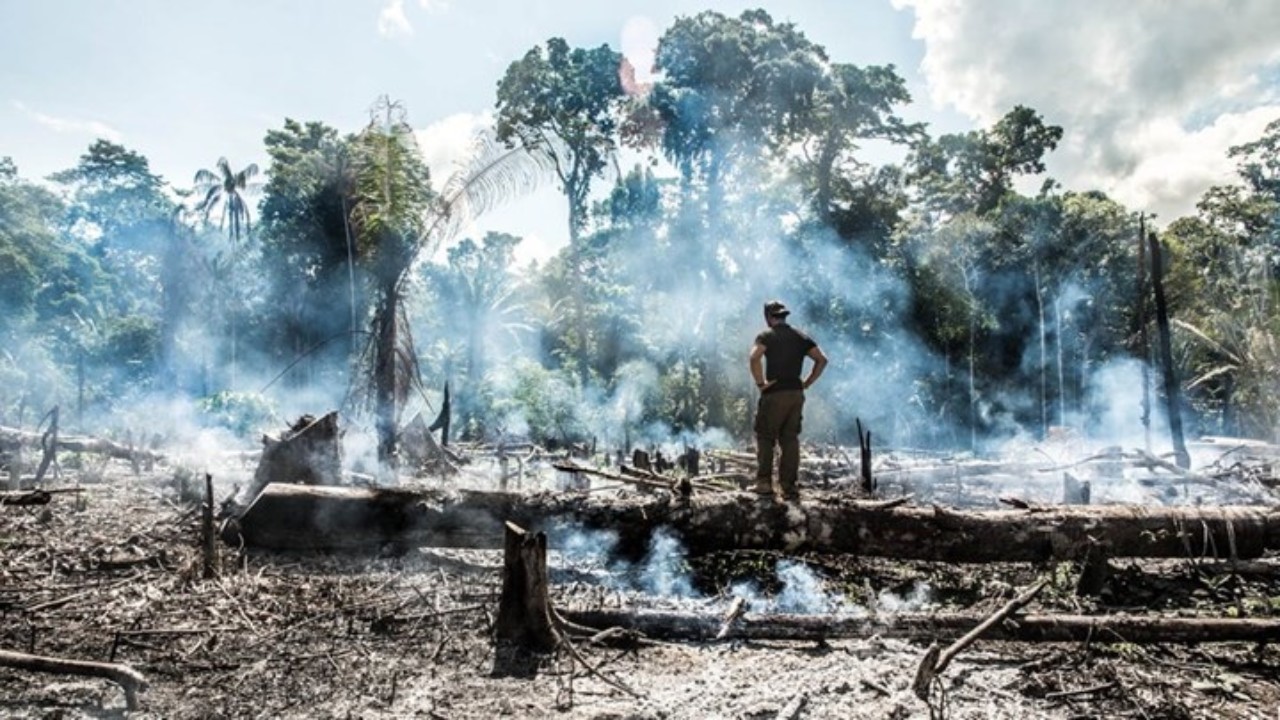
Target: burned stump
[309, 453]
[524, 610]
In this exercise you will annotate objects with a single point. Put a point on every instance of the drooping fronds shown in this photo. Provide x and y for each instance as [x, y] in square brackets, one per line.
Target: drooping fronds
[491, 174]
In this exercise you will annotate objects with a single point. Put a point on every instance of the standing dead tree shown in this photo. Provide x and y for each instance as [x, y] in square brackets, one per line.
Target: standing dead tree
[1172, 396]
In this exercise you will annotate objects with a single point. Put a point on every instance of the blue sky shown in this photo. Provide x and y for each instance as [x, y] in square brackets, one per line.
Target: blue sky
[1150, 96]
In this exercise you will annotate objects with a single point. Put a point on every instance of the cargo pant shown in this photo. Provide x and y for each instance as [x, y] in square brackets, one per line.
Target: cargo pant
[778, 416]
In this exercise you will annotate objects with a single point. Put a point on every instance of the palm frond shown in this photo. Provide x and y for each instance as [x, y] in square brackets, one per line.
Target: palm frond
[491, 174]
[1203, 337]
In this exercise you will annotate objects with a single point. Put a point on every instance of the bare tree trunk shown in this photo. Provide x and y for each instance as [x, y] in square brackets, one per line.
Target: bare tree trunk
[385, 377]
[973, 391]
[1044, 356]
[1062, 381]
[1144, 345]
[524, 609]
[1172, 395]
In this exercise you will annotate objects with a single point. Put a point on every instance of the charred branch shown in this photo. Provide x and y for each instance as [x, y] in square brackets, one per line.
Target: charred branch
[1135, 629]
[126, 677]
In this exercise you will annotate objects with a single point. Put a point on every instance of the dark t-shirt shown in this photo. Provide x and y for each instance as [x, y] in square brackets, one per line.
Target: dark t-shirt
[784, 351]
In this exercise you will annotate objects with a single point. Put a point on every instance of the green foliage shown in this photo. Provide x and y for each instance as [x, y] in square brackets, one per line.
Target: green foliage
[680, 397]
[131, 344]
[561, 102]
[975, 170]
[243, 413]
[226, 190]
[548, 402]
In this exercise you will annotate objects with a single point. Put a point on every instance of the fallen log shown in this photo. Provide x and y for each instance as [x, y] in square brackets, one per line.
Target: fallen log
[1145, 630]
[312, 517]
[11, 438]
[126, 677]
[33, 497]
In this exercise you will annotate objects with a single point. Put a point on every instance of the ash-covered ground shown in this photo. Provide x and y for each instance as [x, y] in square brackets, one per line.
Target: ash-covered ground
[113, 574]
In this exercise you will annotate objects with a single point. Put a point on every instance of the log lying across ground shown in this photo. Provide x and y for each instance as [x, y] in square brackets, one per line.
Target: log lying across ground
[13, 438]
[933, 626]
[308, 517]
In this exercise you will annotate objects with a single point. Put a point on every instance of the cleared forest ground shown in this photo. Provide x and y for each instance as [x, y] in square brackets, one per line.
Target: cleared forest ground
[113, 574]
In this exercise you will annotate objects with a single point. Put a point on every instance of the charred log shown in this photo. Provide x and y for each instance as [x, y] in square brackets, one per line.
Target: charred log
[930, 626]
[302, 517]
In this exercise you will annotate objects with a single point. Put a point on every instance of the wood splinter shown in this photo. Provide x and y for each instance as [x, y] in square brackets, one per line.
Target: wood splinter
[130, 680]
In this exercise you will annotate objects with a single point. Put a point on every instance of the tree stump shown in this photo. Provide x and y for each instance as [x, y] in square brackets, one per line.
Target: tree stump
[524, 610]
[310, 453]
[1074, 490]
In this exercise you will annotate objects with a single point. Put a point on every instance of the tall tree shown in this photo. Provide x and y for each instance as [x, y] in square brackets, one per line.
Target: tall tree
[731, 89]
[853, 104]
[227, 190]
[563, 103]
[397, 217]
[120, 212]
[310, 250]
[975, 170]
[392, 197]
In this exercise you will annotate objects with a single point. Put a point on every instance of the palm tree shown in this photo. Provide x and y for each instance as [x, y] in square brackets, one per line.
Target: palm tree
[397, 217]
[228, 190]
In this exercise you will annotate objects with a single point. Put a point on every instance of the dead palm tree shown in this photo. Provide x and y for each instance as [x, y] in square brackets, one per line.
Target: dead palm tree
[397, 218]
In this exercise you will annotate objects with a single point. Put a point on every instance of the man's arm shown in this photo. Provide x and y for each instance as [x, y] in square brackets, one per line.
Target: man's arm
[819, 364]
[757, 367]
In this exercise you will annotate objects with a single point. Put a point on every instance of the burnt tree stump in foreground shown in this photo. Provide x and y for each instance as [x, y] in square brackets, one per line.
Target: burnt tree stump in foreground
[524, 610]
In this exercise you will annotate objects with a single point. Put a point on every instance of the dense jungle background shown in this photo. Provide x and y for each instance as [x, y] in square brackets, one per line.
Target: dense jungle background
[964, 298]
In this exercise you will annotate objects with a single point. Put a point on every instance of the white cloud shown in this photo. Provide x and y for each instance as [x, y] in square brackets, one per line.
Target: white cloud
[1150, 95]
[394, 22]
[71, 126]
[539, 218]
[447, 142]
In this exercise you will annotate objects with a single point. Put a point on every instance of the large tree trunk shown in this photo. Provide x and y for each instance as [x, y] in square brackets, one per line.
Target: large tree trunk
[309, 453]
[300, 517]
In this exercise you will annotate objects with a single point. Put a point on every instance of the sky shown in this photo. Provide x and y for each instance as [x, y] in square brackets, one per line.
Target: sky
[1150, 93]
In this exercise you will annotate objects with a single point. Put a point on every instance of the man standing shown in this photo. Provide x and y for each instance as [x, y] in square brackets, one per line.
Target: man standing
[778, 413]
